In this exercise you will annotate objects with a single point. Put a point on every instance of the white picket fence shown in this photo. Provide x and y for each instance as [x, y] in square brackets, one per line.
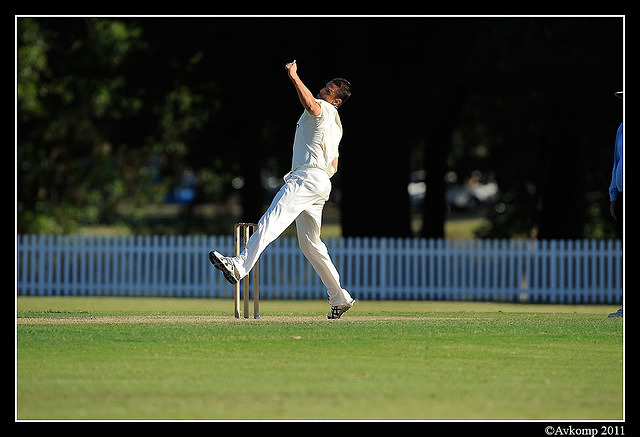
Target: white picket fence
[554, 271]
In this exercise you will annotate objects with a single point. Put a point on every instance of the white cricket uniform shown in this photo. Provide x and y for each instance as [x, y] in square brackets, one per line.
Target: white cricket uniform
[302, 197]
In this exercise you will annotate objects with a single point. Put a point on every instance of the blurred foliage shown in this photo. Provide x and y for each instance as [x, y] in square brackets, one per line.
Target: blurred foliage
[96, 128]
[112, 113]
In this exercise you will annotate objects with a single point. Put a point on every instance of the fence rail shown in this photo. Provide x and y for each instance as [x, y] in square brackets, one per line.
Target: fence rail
[554, 271]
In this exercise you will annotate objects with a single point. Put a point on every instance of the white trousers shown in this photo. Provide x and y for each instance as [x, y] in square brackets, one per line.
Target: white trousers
[301, 198]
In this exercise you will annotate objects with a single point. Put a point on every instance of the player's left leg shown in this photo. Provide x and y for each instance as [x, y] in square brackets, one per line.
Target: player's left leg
[308, 225]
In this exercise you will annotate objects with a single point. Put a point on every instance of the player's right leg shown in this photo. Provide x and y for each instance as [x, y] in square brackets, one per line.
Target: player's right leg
[226, 266]
[292, 198]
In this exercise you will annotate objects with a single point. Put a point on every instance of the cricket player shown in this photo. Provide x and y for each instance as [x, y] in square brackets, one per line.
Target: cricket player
[615, 189]
[306, 189]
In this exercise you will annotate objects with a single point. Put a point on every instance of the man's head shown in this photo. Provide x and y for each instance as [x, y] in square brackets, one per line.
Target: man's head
[336, 92]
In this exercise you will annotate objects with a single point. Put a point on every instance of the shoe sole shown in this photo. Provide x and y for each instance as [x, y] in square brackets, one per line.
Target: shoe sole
[330, 314]
[218, 264]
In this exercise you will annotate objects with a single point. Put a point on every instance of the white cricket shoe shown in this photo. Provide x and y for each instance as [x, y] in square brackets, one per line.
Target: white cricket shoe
[225, 265]
[338, 310]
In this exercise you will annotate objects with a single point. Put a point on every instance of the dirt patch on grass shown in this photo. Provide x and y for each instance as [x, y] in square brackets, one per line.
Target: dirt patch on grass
[215, 320]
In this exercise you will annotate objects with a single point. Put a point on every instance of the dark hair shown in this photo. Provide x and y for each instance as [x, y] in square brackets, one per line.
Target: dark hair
[344, 89]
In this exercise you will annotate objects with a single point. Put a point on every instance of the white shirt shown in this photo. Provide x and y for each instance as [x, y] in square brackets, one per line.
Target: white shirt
[315, 144]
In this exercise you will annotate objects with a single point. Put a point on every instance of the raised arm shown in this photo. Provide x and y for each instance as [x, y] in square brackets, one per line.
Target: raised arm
[306, 98]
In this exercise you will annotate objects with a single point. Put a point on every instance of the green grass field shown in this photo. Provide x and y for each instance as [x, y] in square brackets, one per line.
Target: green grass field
[154, 358]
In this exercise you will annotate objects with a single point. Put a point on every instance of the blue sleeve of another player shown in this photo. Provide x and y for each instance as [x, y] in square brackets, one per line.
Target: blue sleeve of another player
[616, 175]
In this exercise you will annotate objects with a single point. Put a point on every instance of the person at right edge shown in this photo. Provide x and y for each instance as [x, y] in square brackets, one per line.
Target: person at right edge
[615, 190]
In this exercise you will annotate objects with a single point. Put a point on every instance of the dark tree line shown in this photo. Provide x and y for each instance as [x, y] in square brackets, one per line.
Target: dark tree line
[115, 110]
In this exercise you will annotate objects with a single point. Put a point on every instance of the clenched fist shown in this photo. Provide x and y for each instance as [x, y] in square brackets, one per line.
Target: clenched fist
[292, 68]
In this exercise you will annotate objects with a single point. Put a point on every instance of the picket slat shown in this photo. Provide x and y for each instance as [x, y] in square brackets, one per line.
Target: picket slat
[553, 271]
